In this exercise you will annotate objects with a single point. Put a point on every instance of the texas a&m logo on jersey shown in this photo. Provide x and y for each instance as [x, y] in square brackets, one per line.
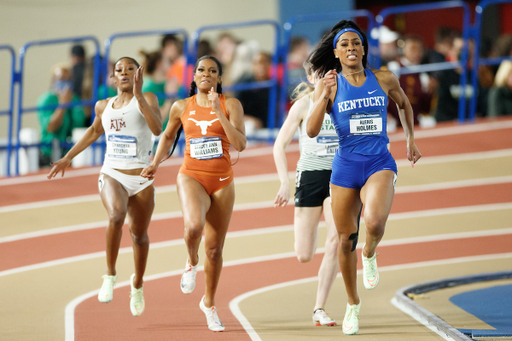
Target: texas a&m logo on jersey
[117, 124]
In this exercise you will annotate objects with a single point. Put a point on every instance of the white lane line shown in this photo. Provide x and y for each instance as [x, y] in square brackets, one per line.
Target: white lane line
[418, 134]
[455, 130]
[454, 184]
[274, 176]
[258, 205]
[69, 315]
[95, 170]
[252, 232]
[152, 246]
[234, 304]
[103, 224]
[429, 160]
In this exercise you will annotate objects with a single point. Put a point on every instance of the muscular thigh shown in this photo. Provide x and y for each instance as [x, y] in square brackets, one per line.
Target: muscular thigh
[113, 195]
[140, 209]
[222, 202]
[346, 207]
[194, 201]
[377, 194]
[306, 222]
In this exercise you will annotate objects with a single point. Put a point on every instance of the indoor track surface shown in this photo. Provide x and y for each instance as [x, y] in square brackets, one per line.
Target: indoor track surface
[451, 216]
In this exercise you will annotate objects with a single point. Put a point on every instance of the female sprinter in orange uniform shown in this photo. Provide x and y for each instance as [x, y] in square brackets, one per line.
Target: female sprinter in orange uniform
[211, 123]
[129, 121]
[363, 170]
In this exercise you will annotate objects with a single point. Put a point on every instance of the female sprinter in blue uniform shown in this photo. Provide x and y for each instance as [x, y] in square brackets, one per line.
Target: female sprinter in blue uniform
[363, 170]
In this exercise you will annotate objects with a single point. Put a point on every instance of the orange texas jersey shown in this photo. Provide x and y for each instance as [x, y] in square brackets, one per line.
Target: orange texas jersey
[207, 146]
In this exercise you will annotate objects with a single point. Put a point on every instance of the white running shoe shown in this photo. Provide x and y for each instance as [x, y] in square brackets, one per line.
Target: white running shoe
[188, 279]
[212, 319]
[106, 293]
[137, 303]
[320, 318]
[351, 320]
[370, 273]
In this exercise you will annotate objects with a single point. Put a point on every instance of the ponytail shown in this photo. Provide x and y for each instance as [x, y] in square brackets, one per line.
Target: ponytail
[175, 143]
[193, 87]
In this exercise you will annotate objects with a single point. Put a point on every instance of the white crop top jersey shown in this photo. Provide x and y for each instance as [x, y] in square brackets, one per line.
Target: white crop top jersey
[129, 139]
[317, 153]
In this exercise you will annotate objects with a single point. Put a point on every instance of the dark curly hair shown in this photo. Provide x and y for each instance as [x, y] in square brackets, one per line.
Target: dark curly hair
[322, 58]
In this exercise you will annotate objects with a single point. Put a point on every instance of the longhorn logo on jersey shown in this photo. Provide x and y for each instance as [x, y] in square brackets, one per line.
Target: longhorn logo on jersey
[117, 124]
[203, 124]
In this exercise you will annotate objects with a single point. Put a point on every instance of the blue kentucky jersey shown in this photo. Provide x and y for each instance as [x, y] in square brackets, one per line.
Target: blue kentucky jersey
[359, 115]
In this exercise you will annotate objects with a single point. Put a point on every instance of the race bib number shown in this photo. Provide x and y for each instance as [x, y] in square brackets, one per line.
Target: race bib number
[121, 147]
[326, 145]
[206, 148]
[366, 123]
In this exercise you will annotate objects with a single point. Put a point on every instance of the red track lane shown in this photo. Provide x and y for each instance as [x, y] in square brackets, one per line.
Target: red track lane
[172, 315]
[59, 188]
[67, 187]
[35, 250]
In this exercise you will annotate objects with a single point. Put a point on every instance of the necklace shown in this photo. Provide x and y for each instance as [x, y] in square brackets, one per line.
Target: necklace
[348, 74]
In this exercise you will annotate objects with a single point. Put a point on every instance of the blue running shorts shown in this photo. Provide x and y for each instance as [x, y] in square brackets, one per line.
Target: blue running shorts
[352, 170]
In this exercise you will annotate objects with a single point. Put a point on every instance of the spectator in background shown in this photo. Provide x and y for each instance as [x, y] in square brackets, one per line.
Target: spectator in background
[172, 52]
[155, 81]
[503, 46]
[255, 102]
[242, 64]
[57, 124]
[203, 48]
[438, 54]
[388, 45]
[443, 42]
[297, 55]
[87, 90]
[171, 48]
[415, 85]
[225, 51]
[78, 69]
[500, 95]
[450, 89]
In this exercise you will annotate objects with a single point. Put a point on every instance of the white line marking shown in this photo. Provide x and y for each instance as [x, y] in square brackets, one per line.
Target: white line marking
[252, 232]
[418, 134]
[454, 130]
[258, 205]
[234, 304]
[95, 170]
[274, 176]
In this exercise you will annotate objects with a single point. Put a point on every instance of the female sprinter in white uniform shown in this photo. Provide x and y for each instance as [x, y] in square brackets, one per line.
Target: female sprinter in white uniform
[363, 170]
[129, 121]
[311, 190]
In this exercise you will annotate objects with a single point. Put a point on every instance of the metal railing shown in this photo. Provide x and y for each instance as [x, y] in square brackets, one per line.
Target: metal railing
[477, 61]
[288, 27]
[277, 106]
[9, 111]
[271, 84]
[22, 110]
[438, 66]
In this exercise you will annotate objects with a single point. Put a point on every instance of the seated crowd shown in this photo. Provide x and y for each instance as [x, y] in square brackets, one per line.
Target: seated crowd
[433, 95]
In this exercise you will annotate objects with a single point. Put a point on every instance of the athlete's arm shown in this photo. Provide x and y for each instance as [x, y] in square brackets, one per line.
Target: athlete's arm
[297, 113]
[148, 104]
[167, 138]
[91, 134]
[234, 127]
[390, 84]
[324, 95]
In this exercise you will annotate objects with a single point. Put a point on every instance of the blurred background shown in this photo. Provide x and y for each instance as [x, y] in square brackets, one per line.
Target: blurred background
[55, 46]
